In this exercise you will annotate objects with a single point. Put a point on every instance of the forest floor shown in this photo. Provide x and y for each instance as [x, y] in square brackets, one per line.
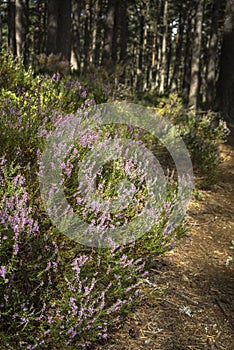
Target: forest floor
[188, 302]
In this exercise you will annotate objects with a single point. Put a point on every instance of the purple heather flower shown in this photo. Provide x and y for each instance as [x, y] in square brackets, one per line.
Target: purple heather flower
[24, 319]
[73, 300]
[49, 320]
[56, 77]
[3, 271]
[89, 102]
[84, 94]
[172, 245]
[16, 249]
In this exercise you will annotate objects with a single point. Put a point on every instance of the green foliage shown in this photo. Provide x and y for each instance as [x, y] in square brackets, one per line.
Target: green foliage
[13, 75]
[30, 106]
[202, 133]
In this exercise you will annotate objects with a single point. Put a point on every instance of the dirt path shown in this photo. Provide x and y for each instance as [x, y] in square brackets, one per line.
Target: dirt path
[189, 301]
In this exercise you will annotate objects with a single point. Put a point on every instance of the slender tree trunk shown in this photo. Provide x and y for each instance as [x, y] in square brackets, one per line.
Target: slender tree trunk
[21, 26]
[94, 31]
[145, 68]
[187, 56]
[195, 68]
[87, 34]
[212, 56]
[156, 54]
[169, 59]
[38, 30]
[0, 27]
[64, 29]
[141, 51]
[44, 28]
[174, 86]
[98, 34]
[123, 23]
[114, 53]
[108, 34]
[52, 26]
[163, 70]
[134, 66]
[11, 27]
[158, 67]
[76, 28]
[153, 58]
[225, 86]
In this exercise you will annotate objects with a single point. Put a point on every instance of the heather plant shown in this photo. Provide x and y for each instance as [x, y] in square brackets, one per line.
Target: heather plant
[56, 292]
[51, 291]
[202, 132]
[13, 75]
[29, 112]
[107, 182]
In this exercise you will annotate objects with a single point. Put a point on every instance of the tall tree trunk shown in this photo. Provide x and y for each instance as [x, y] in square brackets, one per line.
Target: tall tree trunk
[87, 34]
[174, 86]
[37, 30]
[225, 86]
[76, 28]
[169, 59]
[163, 70]
[157, 45]
[195, 67]
[11, 27]
[39, 37]
[94, 31]
[52, 24]
[59, 28]
[64, 29]
[114, 53]
[44, 28]
[145, 58]
[0, 27]
[153, 58]
[21, 26]
[141, 51]
[98, 34]
[187, 56]
[212, 56]
[108, 34]
[123, 23]
[134, 65]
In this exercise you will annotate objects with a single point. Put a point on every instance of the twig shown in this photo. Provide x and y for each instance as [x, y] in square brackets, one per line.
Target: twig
[169, 302]
[222, 308]
[150, 283]
[193, 302]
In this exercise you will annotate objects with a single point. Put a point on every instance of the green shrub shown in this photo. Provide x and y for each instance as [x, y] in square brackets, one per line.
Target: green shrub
[13, 75]
[202, 133]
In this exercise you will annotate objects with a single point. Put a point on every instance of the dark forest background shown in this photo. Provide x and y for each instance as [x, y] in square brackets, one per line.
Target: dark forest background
[163, 46]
